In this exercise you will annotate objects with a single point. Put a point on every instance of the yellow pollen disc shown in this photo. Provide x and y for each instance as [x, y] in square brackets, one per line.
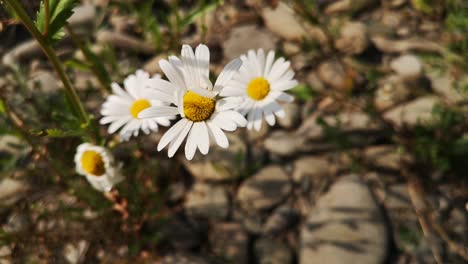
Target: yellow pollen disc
[138, 106]
[258, 88]
[198, 108]
[92, 163]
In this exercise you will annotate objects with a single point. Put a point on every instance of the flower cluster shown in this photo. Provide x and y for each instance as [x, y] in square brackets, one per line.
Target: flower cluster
[248, 90]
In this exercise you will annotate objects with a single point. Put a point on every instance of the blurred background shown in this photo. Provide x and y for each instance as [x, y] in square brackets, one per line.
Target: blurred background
[368, 166]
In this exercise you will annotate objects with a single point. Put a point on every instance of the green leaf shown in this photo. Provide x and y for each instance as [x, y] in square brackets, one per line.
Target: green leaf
[59, 12]
[2, 108]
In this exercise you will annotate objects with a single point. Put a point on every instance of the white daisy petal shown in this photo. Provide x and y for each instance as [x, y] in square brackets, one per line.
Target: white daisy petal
[284, 97]
[218, 135]
[202, 53]
[173, 74]
[191, 144]
[226, 74]
[270, 118]
[203, 137]
[173, 132]
[191, 73]
[158, 111]
[283, 85]
[269, 62]
[223, 123]
[118, 124]
[175, 144]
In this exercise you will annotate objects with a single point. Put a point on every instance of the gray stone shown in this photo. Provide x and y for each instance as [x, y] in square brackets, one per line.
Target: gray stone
[219, 164]
[410, 114]
[353, 38]
[314, 82]
[292, 116]
[181, 234]
[281, 219]
[265, 189]
[284, 143]
[313, 167]
[385, 157]
[44, 80]
[343, 6]
[206, 200]
[244, 38]
[11, 191]
[334, 74]
[254, 135]
[346, 224]
[392, 90]
[403, 45]
[444, 84]
[184, 259]
[284, 22]
[407, 66]
[269, 251]
[124, 41]
[230, 241]
[17, 222]
[83, 14]
[75, 252]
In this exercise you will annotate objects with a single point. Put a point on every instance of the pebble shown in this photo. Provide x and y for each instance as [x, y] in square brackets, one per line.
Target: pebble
[392, 90]
[334, 74]
[411, 113]
[345, 224]
[407, 66]
[444, 85]
[284, 22]
[247, 37]
[75, 252]
[207, 200]
[292, 116]
[11, 191]
[353, 38]
[230, 241]
[269, 251]
[313, 167]
[181, 234]
[280, 220]
[124, 41]
[219, 164]
[265, 189]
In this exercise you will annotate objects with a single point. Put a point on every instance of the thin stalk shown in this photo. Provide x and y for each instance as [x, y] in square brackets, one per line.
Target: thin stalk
[70, 92]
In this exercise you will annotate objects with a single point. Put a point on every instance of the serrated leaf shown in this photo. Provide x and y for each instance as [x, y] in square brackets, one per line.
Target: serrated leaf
[59, 12]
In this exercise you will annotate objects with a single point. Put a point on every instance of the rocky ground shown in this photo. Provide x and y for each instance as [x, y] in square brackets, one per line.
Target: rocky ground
[327, 184]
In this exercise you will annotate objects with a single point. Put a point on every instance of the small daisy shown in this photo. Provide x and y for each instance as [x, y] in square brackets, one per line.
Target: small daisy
[98, 166]
[261, 82]
[121, 109]
[189, 88]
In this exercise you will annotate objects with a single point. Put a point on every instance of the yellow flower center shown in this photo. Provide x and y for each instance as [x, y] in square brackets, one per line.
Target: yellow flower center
[92, 163]
[138, 106]
[258, 88]
[198, 108]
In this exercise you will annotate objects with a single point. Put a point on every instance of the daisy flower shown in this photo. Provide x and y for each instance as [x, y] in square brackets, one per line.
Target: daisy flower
[121, 108]
[261, 82]
[204, 116]
[98, 166]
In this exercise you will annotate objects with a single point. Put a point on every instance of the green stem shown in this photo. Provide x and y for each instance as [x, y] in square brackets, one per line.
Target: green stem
[70, 93]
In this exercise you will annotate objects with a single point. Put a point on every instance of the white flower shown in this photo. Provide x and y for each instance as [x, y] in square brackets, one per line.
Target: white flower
[98, 166]
[122, 107]
[189, 88]
[261, 82]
